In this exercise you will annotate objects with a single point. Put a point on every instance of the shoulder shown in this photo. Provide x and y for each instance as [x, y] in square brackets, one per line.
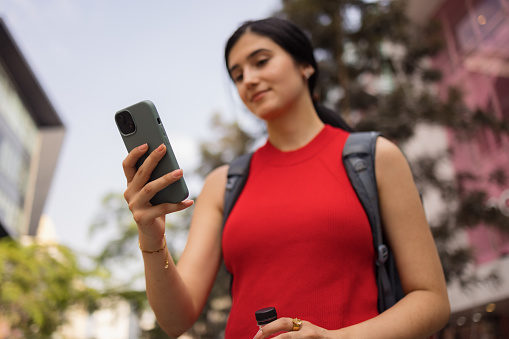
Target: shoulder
[218, 174]
[215, 182]
[391, 165]
[210, 202]
[388, 154]
[212, 193]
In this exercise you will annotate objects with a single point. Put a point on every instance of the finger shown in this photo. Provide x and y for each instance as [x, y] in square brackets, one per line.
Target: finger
[305, 330]
[146, 216]
[171, 208]
[152, 188]
[145, 170]
[129, 163]
[281, 324]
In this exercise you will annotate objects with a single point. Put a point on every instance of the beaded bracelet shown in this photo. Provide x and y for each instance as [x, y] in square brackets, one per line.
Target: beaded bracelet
[157, 251]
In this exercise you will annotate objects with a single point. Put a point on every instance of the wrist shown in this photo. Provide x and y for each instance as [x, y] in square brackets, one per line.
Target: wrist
[151, 244]
[160, 249]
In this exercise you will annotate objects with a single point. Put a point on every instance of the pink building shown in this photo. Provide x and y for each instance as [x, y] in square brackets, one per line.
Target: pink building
[476, 58]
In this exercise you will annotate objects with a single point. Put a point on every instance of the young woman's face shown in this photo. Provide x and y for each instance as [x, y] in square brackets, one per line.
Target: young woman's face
[267, 78]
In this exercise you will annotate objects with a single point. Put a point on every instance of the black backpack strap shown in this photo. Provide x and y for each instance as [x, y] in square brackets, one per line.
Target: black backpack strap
[359, 161]
[237, 177]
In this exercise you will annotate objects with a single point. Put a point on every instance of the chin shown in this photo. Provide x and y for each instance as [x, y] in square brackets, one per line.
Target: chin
[267, 114]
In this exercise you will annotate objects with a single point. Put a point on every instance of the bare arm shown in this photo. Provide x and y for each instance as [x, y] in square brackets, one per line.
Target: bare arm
[177, 294]
[425, 308]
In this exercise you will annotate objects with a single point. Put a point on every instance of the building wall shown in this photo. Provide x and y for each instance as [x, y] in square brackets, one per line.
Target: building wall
[31, 135]
[476, 59]
[18, 140]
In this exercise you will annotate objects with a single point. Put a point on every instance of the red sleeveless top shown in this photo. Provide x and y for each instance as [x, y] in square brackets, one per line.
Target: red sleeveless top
[298, 239]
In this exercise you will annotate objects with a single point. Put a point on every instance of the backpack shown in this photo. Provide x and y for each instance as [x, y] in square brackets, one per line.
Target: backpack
[359, 161]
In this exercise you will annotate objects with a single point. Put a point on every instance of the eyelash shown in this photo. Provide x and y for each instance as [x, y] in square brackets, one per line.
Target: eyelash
[259, 63]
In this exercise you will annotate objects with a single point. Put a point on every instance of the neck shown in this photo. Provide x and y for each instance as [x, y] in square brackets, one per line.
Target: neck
[296, 128]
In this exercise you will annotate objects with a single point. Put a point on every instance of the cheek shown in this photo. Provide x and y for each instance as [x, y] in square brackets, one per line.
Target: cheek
[241, 91]
[286, 74]
[290, 84]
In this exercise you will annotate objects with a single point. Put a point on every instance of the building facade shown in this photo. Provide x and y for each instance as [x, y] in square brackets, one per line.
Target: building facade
[476, 60]
[31, 135]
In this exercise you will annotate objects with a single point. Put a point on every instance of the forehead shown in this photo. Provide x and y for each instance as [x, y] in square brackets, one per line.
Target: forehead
[247, 44]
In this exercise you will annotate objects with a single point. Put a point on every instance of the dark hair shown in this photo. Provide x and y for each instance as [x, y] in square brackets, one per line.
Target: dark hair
[294, 41]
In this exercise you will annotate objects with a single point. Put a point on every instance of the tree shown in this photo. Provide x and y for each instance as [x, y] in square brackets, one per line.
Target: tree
[375, 70]
[231, 142]
[38, 283]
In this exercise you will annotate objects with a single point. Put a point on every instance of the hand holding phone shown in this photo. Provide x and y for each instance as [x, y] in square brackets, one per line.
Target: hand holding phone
[140, 124]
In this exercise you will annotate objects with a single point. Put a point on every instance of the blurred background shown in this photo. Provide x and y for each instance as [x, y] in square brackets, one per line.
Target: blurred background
[433, 76]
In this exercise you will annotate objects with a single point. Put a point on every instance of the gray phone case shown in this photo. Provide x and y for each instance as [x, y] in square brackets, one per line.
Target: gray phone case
[149, 129]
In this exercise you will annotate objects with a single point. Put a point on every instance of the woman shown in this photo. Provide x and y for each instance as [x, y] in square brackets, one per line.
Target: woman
[298, 238]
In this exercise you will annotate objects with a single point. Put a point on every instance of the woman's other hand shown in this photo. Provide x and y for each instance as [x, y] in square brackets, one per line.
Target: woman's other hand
[306, 330]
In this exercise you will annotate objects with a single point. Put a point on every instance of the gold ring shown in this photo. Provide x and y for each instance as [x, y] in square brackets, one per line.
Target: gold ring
[297, 323]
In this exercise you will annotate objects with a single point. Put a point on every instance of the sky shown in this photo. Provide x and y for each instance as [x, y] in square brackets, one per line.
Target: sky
[94, 58]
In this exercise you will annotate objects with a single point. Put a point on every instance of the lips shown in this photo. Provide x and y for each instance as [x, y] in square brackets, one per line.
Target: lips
[258, 95]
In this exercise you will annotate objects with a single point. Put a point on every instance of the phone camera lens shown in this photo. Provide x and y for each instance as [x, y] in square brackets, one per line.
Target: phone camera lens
[125, 122]
[120, 119]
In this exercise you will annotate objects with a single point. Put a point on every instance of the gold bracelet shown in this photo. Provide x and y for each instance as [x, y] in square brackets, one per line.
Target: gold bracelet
[159, 250]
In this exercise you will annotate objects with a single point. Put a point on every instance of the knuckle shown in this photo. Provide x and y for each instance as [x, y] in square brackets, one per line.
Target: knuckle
[138, 217]
[131, 206]
[168, 179]
[127, 162]
[147, 189]
[126, 195]
[154, 156]
[167, 208]
[141, 171]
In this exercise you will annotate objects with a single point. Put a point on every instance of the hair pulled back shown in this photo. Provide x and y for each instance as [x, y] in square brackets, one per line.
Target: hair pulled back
[295, 42]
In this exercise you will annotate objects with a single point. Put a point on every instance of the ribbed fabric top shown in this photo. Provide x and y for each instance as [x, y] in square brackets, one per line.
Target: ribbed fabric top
[298, 239]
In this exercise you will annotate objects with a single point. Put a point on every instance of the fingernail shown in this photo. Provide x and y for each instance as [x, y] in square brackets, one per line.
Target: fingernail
[177, 173]
[258, 334]
[143, 147]
[160, 148]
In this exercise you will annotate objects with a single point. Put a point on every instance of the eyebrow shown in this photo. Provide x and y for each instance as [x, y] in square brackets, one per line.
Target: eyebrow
[250, 56]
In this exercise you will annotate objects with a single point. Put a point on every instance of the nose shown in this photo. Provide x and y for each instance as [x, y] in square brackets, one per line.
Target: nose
[251, 76]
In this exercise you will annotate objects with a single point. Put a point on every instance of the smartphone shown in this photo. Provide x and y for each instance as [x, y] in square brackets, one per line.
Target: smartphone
[139, 124]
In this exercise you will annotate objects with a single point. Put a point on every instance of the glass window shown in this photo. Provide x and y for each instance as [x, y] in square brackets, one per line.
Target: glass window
[10, 212]
[15, 114]
[484, 29]
[493, 25]
[18, 139]
[14, 165]
[465, 35]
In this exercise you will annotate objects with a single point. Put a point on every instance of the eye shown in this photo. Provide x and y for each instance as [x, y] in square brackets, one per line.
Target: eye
[262, 62]
[238, 77]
